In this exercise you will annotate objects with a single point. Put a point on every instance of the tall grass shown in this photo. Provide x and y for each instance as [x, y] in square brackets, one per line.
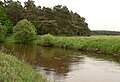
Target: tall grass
[13, 70]
[102, 44]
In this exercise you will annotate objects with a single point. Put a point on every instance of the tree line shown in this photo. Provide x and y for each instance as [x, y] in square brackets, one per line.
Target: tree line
[103, 32]
[58, 20]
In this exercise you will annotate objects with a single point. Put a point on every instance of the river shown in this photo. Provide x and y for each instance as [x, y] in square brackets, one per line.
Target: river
[64, 65]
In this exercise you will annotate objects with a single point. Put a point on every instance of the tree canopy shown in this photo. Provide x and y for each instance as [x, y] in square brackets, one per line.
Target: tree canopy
[24, 31]
[58, 20]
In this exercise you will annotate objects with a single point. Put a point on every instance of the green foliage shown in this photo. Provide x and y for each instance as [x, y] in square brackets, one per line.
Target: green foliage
[3, 16]
[24, 31]
[14, 70]
[5, 21]
[9, 27]
[14, 11]
[101, 44]
[47, 40]
[30, 10]
[47, 27]
[58, 20]
[3, 31]
[65, 22]
[9, 39]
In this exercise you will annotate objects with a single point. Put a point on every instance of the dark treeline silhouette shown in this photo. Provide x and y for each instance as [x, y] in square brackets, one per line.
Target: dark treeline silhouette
[57, 20]
[103, 32]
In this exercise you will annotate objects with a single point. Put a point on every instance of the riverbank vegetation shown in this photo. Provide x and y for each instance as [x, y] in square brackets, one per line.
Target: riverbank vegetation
[97, 44]
[14, 70]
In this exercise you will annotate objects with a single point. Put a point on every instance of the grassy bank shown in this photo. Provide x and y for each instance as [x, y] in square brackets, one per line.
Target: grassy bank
[99, 44]
[13, 70]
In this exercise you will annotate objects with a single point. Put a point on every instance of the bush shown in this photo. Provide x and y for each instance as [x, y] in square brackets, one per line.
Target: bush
[24, 31]
[3, 31]
[47, 40]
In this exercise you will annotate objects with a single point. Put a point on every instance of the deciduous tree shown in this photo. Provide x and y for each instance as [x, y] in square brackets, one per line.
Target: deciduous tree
[24, 31]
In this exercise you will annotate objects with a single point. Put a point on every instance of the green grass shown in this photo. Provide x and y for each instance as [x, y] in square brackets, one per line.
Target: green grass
[14, 70]
[9, 39]
[101, 44]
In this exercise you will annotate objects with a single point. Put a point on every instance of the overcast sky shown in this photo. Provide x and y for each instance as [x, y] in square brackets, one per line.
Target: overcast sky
[99, 14]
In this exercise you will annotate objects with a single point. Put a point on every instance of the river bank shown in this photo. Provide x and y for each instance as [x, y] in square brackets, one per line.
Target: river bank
[14, 70]
[66, 65]
[96, 44]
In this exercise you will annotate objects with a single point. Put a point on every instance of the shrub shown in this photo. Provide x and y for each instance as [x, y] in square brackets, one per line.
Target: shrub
[3, 31]
[47, 40]
[24, 31]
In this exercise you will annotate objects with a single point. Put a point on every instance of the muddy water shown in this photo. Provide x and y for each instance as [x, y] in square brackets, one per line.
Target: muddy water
[61, 65]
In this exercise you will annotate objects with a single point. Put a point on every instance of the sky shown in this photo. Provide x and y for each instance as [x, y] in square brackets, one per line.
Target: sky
[99, 14]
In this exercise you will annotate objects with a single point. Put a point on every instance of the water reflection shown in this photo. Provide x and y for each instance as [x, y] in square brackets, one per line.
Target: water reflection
[51, 60]
[61, 65]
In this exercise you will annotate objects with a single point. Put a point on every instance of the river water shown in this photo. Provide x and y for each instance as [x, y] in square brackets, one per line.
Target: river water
[64, 65]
